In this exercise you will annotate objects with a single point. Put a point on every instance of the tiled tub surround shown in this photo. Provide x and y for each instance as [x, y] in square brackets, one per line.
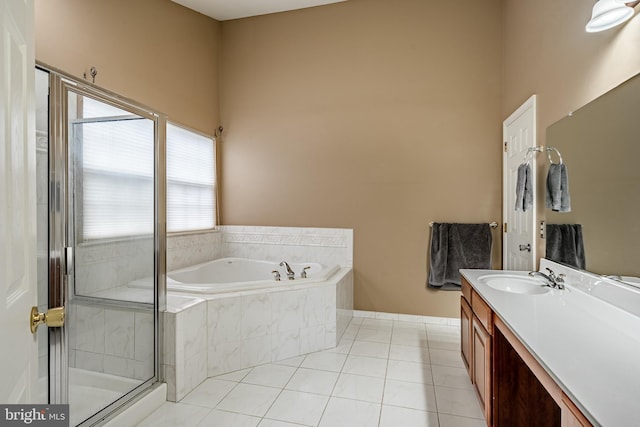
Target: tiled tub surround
[188, 249]
[221, 333]
[328, 246]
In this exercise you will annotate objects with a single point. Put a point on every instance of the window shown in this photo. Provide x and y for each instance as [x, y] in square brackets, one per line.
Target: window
[191, 180]
[114, 170]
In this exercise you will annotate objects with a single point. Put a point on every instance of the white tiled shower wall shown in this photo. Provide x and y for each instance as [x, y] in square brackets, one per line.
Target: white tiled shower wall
[117, 341]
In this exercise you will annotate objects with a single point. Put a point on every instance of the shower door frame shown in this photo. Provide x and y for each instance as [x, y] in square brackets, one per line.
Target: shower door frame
[61, 232]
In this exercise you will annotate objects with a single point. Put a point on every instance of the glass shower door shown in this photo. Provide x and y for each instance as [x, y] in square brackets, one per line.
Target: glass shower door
[112, 235]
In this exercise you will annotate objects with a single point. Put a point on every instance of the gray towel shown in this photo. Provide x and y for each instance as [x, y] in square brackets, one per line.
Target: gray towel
[558, 198]
[524, 190]
[456, 246]
[565, 244]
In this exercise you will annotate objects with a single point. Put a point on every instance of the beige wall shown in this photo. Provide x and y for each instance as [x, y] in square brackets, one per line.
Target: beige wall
[548, 52]
[376, 115]
[152, 51]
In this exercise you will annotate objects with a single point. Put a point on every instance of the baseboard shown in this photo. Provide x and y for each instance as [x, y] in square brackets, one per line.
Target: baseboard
[431, 320]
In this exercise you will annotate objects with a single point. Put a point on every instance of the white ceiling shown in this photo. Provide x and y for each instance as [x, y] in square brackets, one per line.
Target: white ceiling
[223, 10]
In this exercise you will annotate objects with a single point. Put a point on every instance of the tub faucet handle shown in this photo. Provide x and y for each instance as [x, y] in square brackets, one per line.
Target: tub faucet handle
[303, 275]
[276, 275]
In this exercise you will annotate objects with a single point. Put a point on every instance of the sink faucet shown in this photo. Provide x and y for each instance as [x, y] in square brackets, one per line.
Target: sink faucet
[290, 274]
[553, 281]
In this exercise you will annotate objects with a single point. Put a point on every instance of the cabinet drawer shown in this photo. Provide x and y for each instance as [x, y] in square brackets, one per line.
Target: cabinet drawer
[466, 290]
[482, 311]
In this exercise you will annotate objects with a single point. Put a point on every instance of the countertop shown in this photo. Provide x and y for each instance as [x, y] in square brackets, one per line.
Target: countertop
[589, 346]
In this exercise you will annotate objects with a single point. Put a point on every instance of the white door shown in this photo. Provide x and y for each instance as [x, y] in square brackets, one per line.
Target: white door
[18, 356]
[519, 134]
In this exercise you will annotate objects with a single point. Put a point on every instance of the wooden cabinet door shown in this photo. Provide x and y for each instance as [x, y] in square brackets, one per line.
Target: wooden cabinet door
[466, 337]
[481, 371]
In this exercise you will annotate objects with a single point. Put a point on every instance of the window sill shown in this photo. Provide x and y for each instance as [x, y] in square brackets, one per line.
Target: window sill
[193, 232]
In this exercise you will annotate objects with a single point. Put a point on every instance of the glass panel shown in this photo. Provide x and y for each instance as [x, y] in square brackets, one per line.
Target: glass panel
[111, 174]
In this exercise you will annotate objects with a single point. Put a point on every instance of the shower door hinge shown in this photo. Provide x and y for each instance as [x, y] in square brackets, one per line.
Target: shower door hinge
[68, 260]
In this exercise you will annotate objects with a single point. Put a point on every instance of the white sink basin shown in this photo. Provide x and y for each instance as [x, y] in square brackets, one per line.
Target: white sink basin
[514, 284]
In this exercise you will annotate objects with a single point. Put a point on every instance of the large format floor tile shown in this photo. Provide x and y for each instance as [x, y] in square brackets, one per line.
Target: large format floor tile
[350, 413]
[313, 381]
[209, 393]
[249, 399]
[394, 416]
[298, 407]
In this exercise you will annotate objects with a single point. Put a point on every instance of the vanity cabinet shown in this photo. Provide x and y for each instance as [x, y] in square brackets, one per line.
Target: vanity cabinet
[476, 324]
[513, 388]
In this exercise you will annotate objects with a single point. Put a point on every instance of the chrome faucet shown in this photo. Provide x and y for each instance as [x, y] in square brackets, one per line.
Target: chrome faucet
[290, 274]
[553, 281]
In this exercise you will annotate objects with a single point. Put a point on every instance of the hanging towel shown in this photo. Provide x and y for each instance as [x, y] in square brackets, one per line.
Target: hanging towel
[456, 246]
[565, 244]
[524, 188]
[558, 198]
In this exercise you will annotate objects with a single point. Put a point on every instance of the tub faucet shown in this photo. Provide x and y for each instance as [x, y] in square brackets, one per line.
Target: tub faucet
[290, 274]
[553, 281]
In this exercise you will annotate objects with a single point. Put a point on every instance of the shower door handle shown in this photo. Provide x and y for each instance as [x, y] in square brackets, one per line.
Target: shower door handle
[53, 318]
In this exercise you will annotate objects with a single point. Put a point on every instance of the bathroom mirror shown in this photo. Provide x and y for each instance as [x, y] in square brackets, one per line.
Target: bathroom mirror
[600, 144]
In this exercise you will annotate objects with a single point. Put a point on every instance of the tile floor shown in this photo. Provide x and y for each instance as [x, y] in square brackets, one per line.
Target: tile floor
[384, 373]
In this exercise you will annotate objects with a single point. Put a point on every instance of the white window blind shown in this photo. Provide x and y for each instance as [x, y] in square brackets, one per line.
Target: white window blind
[116, 166]
[191, 180]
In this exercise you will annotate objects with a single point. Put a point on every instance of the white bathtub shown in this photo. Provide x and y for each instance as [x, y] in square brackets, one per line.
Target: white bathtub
[230, 314]
[239, 274]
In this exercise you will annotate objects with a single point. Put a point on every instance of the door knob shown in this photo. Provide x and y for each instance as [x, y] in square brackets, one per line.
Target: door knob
[526, 247]
[54, 318]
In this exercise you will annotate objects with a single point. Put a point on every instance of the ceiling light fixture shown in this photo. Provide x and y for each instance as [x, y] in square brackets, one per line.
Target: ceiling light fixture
[607, 14]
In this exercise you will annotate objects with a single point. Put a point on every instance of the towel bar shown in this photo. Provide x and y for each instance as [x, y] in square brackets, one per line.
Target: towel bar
[492, 225]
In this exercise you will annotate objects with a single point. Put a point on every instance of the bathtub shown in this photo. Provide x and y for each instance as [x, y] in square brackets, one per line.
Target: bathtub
[230, 314]
[240, 274]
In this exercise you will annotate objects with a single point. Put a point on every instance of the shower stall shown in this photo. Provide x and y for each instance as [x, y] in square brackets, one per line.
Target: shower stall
[100, 217]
